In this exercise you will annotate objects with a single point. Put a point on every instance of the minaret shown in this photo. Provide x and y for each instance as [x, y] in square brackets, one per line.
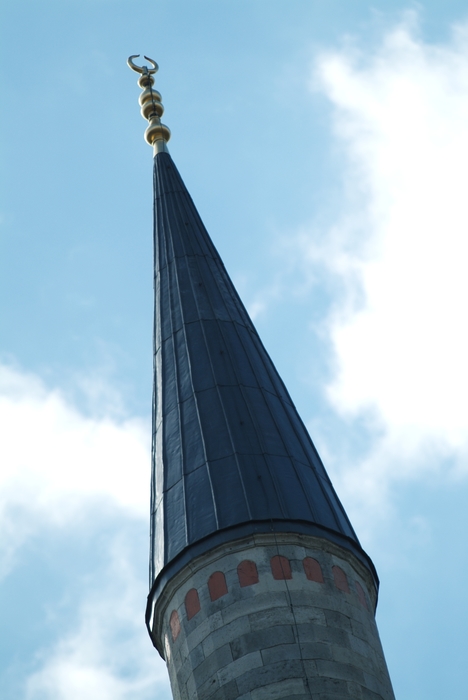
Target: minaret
[259, 588]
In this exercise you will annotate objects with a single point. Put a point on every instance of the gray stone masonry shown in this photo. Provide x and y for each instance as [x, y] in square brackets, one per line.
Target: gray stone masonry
[277, 638]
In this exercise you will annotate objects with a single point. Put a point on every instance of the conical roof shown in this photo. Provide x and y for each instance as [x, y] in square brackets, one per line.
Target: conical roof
[231, 456]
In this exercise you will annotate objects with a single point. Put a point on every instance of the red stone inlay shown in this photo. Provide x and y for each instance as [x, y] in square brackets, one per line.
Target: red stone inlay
[247, 573]
[217, 585]
[341, 582]
[361, 595]
[174, 623]
[280, 568]
[192, 603]
[313, 570]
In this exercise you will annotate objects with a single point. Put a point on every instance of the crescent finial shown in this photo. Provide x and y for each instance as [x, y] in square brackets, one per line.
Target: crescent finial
[143, 69]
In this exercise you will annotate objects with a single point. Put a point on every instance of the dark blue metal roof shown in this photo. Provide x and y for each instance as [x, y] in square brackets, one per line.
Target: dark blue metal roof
[231, 456]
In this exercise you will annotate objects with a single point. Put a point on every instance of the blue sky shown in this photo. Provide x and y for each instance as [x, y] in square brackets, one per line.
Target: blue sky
[325, 144]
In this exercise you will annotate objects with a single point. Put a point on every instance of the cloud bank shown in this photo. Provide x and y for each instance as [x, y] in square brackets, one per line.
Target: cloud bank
[58, 463]
[400, 245]
[67, 476]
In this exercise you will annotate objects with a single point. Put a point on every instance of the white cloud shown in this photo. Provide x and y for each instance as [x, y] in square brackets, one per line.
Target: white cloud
[63, 469]
[107, 655]
[57, 462]
[401, 247]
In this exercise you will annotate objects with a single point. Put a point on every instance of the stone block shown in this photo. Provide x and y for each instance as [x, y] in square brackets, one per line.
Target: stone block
[345, 672]
[191, 687]
[198, 634]
[225, 634]
[316, 650]
[240, 666]
[337, 619]
[297, 567]
[280, 652]
[263, 601]
[371, 682]
[212, 664]
[208, 687]
[310, 668]
[220, 604]
[282, 689]
[237, 593]
[182, 693]
[359, 630]
[370, 695]
[267, 675]
[262, 639]
[195, 658]
[320, 633]
[291, 551]
[309, 613]
[333, 600]
[355, 690]
[321, 600]
[327, 687]
[361, 647]
[296, 583]
[226, 692]
[271, 617]
[349, 656]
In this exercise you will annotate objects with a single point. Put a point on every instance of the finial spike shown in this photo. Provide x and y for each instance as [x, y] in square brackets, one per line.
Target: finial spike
[157, 134]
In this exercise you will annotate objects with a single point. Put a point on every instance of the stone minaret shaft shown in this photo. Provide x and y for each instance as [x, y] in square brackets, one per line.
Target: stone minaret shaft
[259, 588]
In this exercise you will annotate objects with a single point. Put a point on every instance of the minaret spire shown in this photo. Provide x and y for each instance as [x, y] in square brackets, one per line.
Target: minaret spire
[259, 585]
[157, 134]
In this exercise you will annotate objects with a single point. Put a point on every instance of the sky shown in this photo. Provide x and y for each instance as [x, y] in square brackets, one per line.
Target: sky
[325, 144]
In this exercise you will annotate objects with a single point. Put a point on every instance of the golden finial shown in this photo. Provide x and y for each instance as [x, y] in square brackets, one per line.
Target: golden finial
[157, 134]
